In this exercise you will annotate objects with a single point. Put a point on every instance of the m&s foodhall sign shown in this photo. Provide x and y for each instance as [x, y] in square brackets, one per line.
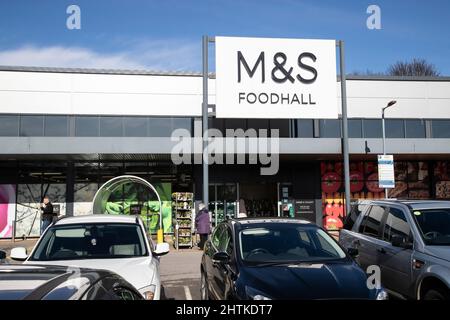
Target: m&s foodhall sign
[275, 78]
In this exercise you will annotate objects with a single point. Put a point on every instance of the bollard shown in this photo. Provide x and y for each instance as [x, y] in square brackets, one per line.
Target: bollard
[160, 236]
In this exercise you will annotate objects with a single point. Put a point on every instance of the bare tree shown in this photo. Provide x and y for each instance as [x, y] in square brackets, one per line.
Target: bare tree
[417, 67]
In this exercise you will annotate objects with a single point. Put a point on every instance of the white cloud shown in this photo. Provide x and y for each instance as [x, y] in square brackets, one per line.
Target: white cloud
[148, 55]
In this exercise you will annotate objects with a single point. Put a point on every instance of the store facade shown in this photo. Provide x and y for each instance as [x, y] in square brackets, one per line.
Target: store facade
[65, 132]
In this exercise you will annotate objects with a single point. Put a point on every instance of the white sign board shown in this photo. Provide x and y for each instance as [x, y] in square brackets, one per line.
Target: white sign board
[275, 78]
[386, 176]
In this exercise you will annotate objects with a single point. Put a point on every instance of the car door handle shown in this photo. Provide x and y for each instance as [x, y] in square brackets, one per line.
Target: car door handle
[381, 250]
[356, 243]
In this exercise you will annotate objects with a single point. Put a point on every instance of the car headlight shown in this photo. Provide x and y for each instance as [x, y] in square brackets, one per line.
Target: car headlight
[382, 295]
[148, 292]
[254, 294]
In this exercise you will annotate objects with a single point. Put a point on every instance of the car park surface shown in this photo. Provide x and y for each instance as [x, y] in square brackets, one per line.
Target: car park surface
[408, 240]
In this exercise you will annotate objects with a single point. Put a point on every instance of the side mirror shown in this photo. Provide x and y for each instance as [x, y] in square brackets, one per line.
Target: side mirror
[401, 242]
[161, 249]
[2, 255]
[353, 252]
[221, 257]
[19, 254]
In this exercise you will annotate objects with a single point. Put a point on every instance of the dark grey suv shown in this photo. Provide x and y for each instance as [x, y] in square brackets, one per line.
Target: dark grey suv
[408, 240]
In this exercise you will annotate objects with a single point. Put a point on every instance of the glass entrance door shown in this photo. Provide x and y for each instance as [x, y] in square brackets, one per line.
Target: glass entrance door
[223, 201]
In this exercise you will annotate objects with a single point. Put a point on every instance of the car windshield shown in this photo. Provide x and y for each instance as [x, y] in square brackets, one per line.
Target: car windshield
[287, 243]
[434, 224]
[91, 241]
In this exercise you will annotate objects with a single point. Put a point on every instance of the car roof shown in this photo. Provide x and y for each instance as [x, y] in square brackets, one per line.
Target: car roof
[413, 204]
[98, 218]
[248, 221]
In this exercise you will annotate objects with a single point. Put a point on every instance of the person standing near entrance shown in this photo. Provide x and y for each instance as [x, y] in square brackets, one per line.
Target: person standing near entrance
[203, 224]
[47, 214]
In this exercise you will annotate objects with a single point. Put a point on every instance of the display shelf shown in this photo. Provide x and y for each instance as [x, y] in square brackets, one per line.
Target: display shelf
[182, 205]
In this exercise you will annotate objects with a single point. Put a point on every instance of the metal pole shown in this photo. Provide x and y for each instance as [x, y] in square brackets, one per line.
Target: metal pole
[384, 144]
[205, 121]
[344, 128]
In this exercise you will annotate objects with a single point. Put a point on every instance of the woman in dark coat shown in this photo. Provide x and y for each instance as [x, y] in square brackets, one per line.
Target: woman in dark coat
[203, 224]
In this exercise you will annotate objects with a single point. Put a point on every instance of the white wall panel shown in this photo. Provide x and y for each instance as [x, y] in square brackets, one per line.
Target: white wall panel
[66, 93]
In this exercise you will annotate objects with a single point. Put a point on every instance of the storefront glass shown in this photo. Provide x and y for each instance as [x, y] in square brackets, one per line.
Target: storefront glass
[412, 181]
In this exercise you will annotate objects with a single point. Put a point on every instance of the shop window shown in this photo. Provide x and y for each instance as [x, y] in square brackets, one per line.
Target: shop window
[235, 124]
[56, 126]
[394, 128]
[9, 126]
[441, 128]
[373, 128]
[282, 125]
[160, 127]
[135, 126]
[415, 128]
[181, 123]
[111, 127]
[258, 124]
[31, 126]
[442, 178]
[355, 128]
[86, 126]
[214, 123]
[305, 128]
[330, 128]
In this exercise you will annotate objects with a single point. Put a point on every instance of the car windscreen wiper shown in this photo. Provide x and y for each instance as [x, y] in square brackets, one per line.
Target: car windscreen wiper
[292, 263]
[273, 263]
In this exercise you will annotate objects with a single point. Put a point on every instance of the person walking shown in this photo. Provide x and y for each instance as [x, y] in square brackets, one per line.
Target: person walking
[202, 224]
[47, 214]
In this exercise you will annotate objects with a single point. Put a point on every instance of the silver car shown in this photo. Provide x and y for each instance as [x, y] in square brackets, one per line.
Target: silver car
[408, 240]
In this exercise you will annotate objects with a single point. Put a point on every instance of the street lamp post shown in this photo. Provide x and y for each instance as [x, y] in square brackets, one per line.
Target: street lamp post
[390, 104]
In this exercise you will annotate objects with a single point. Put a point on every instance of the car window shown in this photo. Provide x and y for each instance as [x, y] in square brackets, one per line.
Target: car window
[396, 224]
[224, 239]
[304, 237]
[283, 242]
[372, 221]
[353, 216]
[215, 239]
[434, 225]
[126, 294]
[91, 241]
[228, 242]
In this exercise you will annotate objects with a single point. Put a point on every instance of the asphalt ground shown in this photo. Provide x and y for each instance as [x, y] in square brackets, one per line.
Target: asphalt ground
[180, 274]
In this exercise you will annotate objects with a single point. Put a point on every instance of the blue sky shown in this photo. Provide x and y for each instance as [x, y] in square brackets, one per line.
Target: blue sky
[166, 35]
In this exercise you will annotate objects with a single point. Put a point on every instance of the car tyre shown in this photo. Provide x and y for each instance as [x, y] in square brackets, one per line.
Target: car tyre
[436, 294]
[204, 292]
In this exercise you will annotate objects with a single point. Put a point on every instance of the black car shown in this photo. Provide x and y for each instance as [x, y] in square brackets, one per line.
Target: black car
[265, 259]
[38, 282]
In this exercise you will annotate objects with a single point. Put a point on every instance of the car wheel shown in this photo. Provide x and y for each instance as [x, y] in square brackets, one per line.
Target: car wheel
[204, 293]
[436, 294]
